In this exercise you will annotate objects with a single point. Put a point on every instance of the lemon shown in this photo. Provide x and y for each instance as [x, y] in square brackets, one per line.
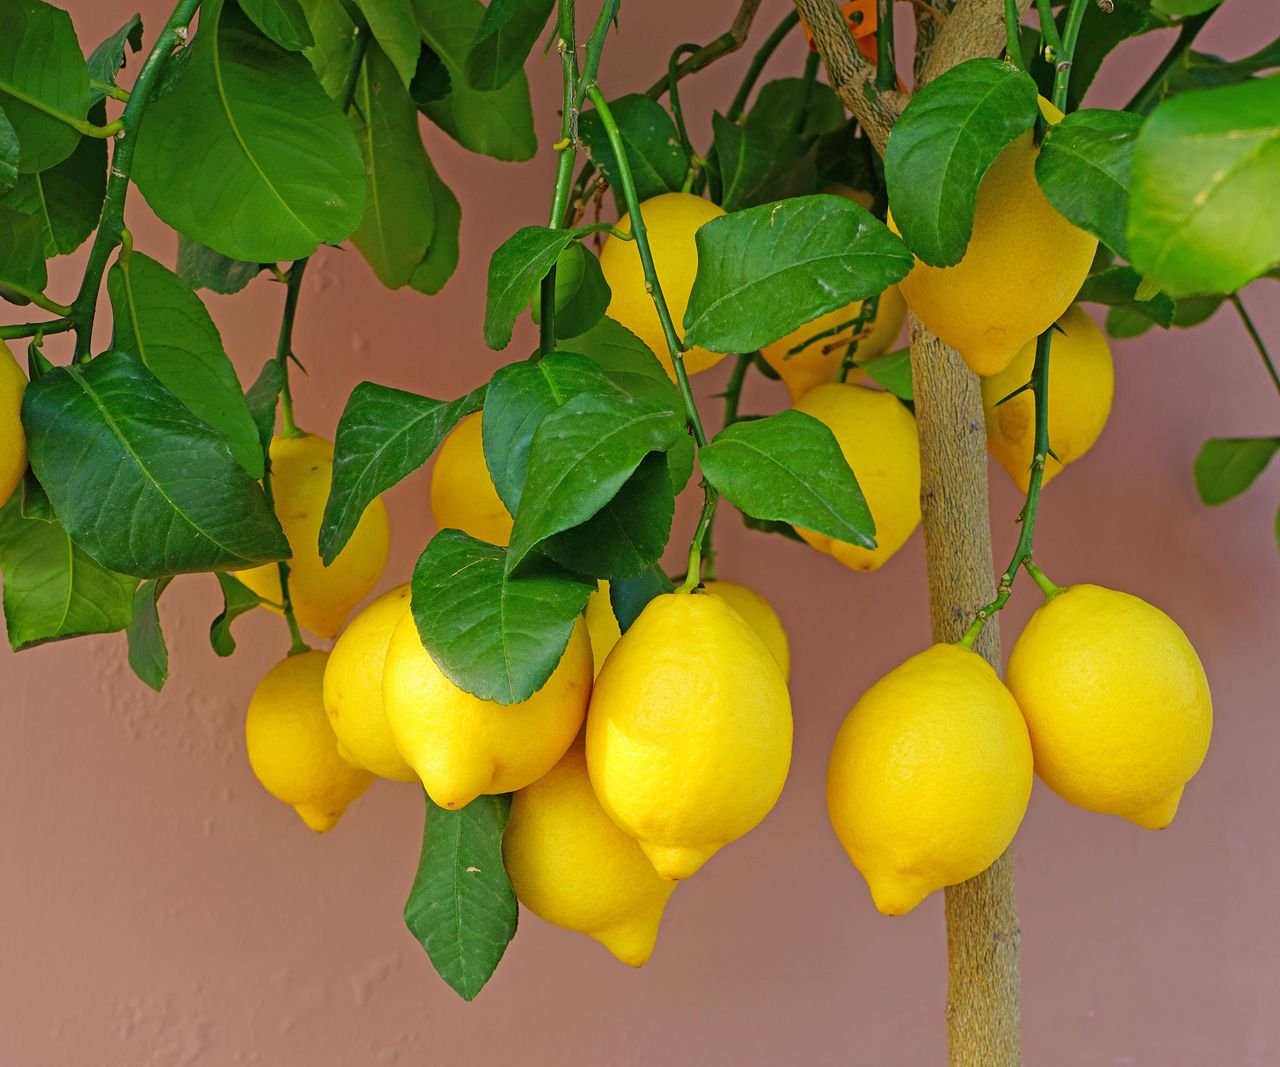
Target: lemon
[670, 220]
[301, 471]
[602, 624]
[292, 749]
[570, 865]
[878, 438]
[462, 493]
[1081, 383]
[689, 731]
[1116, 701]
[929, 776]
[818, 363]
[353, 688]
[462, 746]
[13, 442]
[1024, 265]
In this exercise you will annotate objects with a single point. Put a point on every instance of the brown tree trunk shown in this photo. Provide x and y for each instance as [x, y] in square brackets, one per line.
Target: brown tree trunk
[983, 974]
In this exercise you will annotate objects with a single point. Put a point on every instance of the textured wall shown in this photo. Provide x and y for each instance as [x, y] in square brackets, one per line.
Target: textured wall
[158, 909]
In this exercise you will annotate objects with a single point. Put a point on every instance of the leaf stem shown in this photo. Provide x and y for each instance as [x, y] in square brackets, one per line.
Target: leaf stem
[1256, 338]
[1067, 52]
[1049, 30]
[1145, 98]
[886, 69]
[732, 399]
[109, 89]
[673, 94]
[35, 329]
[284, 346]
[1013, 38]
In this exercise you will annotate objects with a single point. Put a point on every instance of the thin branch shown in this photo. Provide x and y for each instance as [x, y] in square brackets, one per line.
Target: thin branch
[1256, 338]
[1146, 97]
[974, 28]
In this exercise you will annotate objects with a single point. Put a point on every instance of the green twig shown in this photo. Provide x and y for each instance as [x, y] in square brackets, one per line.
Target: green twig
[1256, 338]
[1062, 67]
[1049, 31]
[762, 56]
[109, 89]
[732, 399]
[1013, 39]
[35, 329]
[284, 346]
[808, 81]
[866, 317]
[1146, 97]
[886, 69]
[673, 94]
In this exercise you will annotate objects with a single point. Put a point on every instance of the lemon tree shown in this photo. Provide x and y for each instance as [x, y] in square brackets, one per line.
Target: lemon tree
[588, 711]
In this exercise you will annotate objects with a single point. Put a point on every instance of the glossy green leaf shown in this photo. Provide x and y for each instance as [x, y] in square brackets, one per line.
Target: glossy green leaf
[764, 271]
[1083, 169]
[35, 501]
[582, 294]
[1100, 33]
[22, 270]
[1118, 287]
[498, 123]
[44, 83]
[281, 20]
[142, 485]
[462, 908]
[399, 218]
[893, 371]
[1193, 310]
[581, 455]
[247, 154]
[789, 468]
[1123, 323]
[1199, 70]
[52, 587]
[790, 106]
[441, 260]
[394, 27]
[105, 62]
[755, 164]
[262, 398]
[658, 162]
[334, 33]
[1227, 466]
[515, 273]
[148, 653]
[1184, 7]
[1204, 216]
[507, 33]
[237, 599]
[431, 79]
[10, 152]
[203, 268]
[384, 435]
[628, 596]
[164, 324]
[494, 635]
[949, 134]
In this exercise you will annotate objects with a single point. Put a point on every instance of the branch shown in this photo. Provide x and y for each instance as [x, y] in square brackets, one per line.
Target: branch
[726, 44]
[974, 28]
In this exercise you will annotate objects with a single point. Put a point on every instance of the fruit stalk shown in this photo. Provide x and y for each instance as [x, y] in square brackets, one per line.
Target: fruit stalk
[1067, 51]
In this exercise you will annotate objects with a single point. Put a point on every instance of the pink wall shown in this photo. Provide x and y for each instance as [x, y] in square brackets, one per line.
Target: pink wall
[157, 908]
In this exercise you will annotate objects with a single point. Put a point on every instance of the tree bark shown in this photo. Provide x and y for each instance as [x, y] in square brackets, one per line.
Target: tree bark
[983, 938]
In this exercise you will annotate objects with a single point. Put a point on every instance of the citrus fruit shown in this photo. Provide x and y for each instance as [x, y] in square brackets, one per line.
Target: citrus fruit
[602, 624]
[462, 493]
[13, 441]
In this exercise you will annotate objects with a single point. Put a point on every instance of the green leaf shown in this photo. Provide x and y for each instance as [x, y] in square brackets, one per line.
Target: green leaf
[628, 596]
[496, 636]
[498, 123]
[1184, 7]
[1083, 169]
[10, 152]
[582, 453]
[203, 268]
[142, 485]
[1123, 322]
[519, 397]
[1204, 216]
[281, 20]
[1193, 310]
[441, 260]
[52, 588]
[237, 599]
[334, 31]
[261, 399]
[1098, 37]
[279, 170]
[462, 907]
[396, 30]
[755, 164]
[1227, 466]
[515, 273]
[1118, 287]
[789, 468]
[507, 33]
[658, 161]
[148, 654]
[106, 61]
[893, 371]
[767, 270]
[165, 325]
[35, 501]
[582, 294]
[431, 80]
[400, 217]
[384, 435]
[1199, 70]
[22, 270]
[44, 84]
[792, 106]
[949, 134]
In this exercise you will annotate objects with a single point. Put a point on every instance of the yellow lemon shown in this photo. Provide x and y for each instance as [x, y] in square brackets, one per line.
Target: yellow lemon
[878, 438]
[1023, 266]
[301, 471]
[689, 731]
[602, 624]
[292, 749]
[1081, 383]
[818, 362]
[13, 442]
[1116, 701]
[462, 493]
[353, 688]
[670, 220]
[570, 865]
[758, 613]
[462, 746]
[929, 776]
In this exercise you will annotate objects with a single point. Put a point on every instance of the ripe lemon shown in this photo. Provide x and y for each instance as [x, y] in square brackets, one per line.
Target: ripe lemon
[301, 471]
[929, 776]
[1081, 383]
[13, 442]
[1024, 265]
[462, 493]
[818, 363]
[689, 731]
[670, 220]
[292, 749]
[462, 746]
[570, 865]
[1116, 701]
[353, 688]
[602, 624]
[878, 438]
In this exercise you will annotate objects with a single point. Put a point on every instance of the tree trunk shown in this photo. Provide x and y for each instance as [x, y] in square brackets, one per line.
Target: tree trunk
[983, 974]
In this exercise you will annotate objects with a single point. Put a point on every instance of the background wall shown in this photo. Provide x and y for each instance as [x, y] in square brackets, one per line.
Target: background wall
[157, 908]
